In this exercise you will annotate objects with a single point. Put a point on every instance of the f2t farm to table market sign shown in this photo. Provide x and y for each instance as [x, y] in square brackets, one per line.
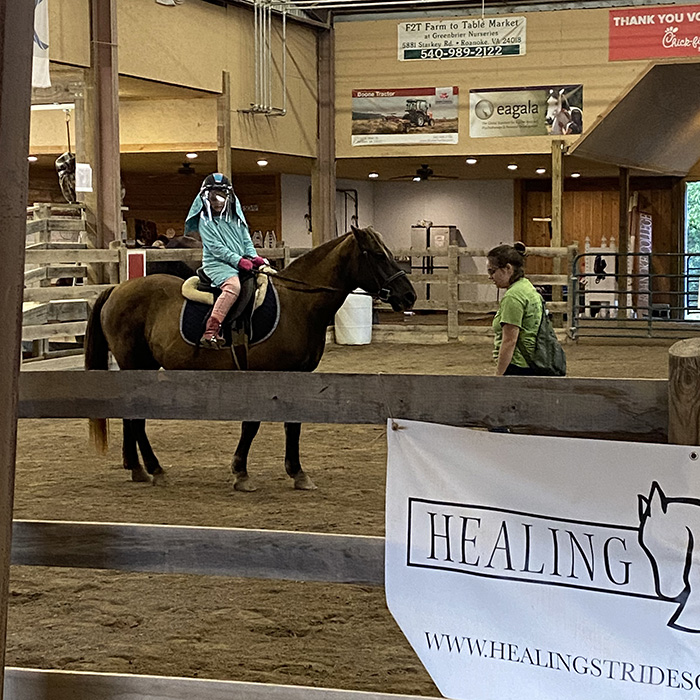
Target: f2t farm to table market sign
[465, 37]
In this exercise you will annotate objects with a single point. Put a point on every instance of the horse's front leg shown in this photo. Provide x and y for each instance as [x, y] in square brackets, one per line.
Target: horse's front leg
[292, 463]
[239, 465]
[130, 455]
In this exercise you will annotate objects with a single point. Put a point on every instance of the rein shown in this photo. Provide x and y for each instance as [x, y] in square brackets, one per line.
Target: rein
[383, 292]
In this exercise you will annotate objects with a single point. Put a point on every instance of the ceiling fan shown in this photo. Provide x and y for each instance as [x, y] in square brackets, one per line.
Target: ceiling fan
[424, 173]
[186, 169]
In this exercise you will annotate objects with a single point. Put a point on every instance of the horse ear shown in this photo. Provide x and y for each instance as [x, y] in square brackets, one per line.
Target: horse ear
[657, 499]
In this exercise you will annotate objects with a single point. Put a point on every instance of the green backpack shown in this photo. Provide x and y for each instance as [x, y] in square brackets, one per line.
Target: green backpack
[548, 358]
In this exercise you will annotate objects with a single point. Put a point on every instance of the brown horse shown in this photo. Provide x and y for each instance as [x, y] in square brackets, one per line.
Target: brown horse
[138, 321]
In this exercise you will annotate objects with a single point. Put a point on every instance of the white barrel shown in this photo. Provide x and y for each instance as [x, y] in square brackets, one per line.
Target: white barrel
[353, 322]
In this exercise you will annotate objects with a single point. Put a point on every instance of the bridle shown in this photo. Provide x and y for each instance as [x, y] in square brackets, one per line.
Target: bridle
[383, 291]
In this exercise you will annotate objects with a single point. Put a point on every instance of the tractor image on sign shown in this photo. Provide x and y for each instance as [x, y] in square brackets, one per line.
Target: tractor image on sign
[418, 112]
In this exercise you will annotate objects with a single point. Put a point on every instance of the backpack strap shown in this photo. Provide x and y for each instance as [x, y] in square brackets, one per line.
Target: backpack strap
[519, 344]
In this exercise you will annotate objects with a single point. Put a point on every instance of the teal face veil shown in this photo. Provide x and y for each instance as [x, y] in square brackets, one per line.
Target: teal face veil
[220, 187]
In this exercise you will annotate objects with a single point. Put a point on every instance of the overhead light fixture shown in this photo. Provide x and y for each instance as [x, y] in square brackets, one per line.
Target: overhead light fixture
[53, 106]
[541, 171]
[374, 176]
[32, 159]
[192, 155]
[471, 161]
[262, 162]
[416, 179]
[575, 174]
[512, 166]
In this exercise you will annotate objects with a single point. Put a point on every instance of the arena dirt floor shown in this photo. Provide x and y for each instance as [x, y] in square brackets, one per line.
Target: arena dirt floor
[338, 636]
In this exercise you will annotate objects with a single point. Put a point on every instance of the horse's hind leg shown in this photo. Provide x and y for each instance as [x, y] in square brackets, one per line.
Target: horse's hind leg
[150, 460]
[130, 455]
[239, 465]
[292, 463]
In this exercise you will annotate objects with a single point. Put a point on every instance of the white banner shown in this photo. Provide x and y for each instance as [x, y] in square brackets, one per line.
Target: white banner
[40, 62]
[532, 568]
[462, 37]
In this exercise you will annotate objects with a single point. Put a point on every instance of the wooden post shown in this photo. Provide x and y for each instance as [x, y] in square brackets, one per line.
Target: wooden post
[223, 126]
[572, 287]
[623, 243]
[684, 392]
[323, 174]
[102, 108]
[16, 31]
[453, 292]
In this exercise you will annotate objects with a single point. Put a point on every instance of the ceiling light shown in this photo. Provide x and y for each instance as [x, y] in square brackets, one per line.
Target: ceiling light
[32, 159]
[471, 161]
[374, 176]
[541, 171]
[416, 179]
[262, 162]
[191, 156]
[512, 166]
[575, 174]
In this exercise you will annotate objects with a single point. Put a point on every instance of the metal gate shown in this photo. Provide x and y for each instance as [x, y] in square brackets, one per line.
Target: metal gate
[650, 295]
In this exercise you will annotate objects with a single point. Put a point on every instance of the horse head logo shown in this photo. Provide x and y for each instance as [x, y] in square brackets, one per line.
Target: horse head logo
[667, 531]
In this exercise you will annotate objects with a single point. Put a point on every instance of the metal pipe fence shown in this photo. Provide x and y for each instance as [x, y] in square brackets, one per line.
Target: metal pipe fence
[643, 295]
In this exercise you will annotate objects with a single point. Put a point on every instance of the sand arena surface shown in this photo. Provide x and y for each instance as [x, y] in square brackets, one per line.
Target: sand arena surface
[338, 636]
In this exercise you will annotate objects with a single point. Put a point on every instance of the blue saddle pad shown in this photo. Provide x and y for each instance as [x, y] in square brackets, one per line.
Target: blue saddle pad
[194, 314]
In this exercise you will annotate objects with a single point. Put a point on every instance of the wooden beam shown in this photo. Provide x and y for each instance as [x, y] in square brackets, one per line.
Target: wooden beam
[208, 551]
[223, 126]
[16, 31]
[610, 408]
[104, 79]
[323, 226]
[37, 684]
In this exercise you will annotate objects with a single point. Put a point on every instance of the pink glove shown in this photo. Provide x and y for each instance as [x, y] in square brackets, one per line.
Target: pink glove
[245, 264]
[258, 261]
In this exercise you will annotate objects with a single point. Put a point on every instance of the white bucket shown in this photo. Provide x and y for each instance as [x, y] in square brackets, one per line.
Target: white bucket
[353, 322]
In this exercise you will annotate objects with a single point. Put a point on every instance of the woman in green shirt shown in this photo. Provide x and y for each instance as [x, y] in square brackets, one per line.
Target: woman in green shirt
[519, 314]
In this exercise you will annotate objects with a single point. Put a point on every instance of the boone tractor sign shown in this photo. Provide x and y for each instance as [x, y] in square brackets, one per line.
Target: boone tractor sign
[524, 567]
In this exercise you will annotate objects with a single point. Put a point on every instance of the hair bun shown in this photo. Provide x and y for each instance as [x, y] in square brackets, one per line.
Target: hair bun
[520, 247]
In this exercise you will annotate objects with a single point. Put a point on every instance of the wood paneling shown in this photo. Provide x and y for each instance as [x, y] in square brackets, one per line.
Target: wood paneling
[166, 199]
[591, 209]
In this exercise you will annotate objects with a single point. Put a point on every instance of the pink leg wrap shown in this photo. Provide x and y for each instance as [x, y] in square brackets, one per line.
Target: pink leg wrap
[230, 290]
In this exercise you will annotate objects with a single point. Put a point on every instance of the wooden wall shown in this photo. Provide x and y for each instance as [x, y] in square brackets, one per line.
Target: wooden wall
[166, 199]
[591, 208]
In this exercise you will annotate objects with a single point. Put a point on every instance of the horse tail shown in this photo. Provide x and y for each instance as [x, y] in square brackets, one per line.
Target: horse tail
[97, 357]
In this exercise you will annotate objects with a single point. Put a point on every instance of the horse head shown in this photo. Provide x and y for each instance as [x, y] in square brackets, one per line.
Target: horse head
[665, 537]
[378, 273]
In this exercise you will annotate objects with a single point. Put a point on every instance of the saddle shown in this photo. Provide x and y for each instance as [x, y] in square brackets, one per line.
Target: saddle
[200, 295]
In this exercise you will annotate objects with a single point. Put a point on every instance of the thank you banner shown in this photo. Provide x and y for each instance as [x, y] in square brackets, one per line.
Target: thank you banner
[528, 568]
[670, 31]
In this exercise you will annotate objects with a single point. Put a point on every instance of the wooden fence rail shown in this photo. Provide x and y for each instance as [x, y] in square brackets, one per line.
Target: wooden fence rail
[626, 409]
[36, 684]
[212, 551]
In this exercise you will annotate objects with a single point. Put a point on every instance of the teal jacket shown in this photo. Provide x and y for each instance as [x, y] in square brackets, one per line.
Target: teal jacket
[225, 240]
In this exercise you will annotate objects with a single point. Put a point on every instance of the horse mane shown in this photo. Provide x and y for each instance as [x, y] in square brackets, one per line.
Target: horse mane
[317, 254]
